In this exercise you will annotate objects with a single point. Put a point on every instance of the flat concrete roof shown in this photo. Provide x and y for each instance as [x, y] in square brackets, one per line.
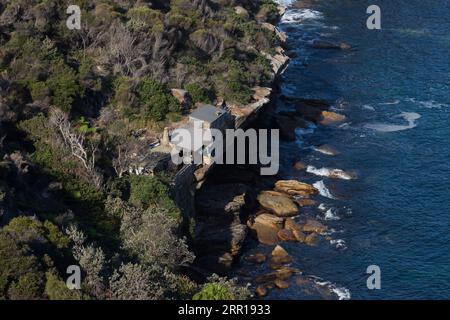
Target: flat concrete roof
[207, 113]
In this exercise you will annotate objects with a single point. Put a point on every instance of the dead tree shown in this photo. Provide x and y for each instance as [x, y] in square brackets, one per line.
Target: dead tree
[84, 151]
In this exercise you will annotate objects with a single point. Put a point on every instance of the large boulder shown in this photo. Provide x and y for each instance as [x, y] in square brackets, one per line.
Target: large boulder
[277, 203]
[266, 227]
[295, 188]
[279, 255]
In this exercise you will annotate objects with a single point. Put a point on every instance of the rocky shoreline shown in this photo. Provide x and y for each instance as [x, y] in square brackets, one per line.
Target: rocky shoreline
[235, 204]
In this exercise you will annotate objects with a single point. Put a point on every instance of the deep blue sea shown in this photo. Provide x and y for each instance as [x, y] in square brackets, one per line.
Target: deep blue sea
[394, 89]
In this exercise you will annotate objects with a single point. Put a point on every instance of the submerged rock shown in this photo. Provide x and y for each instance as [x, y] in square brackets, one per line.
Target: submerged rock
[312, 225]
[306, 202]
[300, 166]
[279, 204]
[323, 44]
[281, 284]
[312, 239]
[329, 117]
[295, 188]
[257, 258]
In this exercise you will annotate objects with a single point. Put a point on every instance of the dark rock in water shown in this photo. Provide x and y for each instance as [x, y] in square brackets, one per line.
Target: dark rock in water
[300, 166]
[257, 258]
[287, 124]
[323, 44]
[281, 284]
[312, 225]
[312, 239]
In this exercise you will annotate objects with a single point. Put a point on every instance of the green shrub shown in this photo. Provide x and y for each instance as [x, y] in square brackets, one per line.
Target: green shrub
[155, 100]
[146, 191]
[56, 289]
[214, 291]
[198, 94]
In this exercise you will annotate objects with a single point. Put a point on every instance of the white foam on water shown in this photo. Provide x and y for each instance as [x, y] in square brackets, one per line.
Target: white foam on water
[322, 151]
[368, 107]
[339, 243]
[341, 292]
[331, 173]
[300, 15]
[285, 2]
[410, 117]
[323, 190]
[389, 103]
[431, 104]
[322, 207]
[331, 214]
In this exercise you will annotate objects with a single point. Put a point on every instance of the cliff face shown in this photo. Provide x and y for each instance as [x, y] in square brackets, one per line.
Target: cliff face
[218, 212]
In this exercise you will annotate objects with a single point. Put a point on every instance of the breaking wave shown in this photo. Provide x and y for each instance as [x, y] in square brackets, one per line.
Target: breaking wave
[410, 117]
[341, 292]
[330, 173]
[323, 190]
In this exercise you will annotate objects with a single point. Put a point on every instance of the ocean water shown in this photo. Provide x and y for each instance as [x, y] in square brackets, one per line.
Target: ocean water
[394, 89]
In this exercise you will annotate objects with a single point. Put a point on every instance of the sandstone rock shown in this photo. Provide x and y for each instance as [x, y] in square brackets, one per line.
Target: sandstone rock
[270, 219]
[281, 284]
[312, 225]
[312, 239]
[285, 273]
[299, 236]
[261, 291]
[329, 117]
[286, 235]
[277, 203]
[295, 188]
[300, 166]
[257, 258]
[291, 225]
[279, 255]
[306, 202]
[266, 227]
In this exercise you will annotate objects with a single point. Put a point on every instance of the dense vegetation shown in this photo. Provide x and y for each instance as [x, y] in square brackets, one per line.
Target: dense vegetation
[75, 105]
